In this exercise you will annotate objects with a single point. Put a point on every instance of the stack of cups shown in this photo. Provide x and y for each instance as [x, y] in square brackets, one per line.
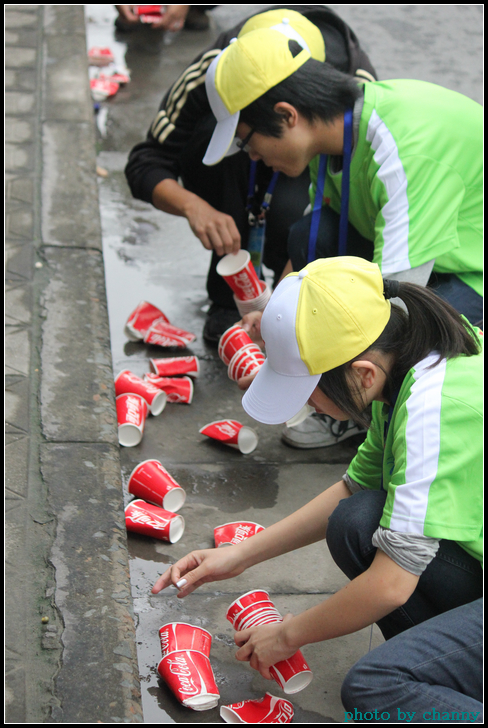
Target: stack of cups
[250, 294]
[239, 353]
[255, 608]
[185, 666]
[150, 520]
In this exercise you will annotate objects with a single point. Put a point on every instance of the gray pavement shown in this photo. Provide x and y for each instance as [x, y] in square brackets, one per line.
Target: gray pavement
[80, 254]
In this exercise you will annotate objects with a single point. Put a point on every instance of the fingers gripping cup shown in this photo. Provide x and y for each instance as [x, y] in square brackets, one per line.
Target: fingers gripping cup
[237, 270]
[232, 433]
[152, 482]
[132, 411]
[150, 520]
[190, 676]
[129, 383]
[176, 636]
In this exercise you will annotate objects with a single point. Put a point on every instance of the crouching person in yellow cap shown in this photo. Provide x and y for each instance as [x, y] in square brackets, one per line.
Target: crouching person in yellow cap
[405, 521]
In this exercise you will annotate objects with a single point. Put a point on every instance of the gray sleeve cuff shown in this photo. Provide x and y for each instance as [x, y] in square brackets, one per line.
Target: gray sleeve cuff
[352, 485]
[413, 552]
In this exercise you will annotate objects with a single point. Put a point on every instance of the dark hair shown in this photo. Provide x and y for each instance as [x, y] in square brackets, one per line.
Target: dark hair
[317, 90]
[431, 325]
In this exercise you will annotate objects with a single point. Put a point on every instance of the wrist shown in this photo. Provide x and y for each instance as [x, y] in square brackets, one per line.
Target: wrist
[291, 636]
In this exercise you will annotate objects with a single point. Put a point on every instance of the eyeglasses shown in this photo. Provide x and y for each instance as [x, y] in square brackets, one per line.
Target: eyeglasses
[242, 143]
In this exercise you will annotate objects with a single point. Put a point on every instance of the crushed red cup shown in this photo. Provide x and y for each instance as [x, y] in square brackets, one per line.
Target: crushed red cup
[126, 382]
[269, 709]
[103, 88]
[176, 366]
[177, 389]
[190, 677]
[150, 520]
[232, 433]
[176, 636]
[232, 341]
[229, 534]
[162, 333]
[100, 56]
[238, 271]
[141, 320]
[151, 481]
[132, 410]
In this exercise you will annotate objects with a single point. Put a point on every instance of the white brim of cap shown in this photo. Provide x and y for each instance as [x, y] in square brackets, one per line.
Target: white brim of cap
[275, 398]
[221, 140]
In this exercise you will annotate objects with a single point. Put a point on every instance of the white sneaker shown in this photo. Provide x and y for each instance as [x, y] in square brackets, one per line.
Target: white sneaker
[320, 431]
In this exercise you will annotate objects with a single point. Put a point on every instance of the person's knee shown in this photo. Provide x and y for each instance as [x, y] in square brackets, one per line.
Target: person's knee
[354, 517]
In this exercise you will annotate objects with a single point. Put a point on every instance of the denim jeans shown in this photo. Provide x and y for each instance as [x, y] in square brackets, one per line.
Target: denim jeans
[432, 656]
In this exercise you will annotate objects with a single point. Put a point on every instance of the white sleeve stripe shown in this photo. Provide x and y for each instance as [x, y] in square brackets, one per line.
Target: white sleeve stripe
[423, 442]
[395, 212]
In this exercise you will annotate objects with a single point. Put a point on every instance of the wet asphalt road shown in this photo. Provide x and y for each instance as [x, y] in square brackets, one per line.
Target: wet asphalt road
[153, 256]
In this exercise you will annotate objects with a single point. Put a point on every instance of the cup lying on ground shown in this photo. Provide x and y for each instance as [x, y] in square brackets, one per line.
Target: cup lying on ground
[269, 709]
[246, 361]
[127, 382]
[176, 636]
[150, 520]
[162, 333]
[177, 389]
[292, 675]
[232, 433]
[232, 341]
[152, 482]
[141, 320]
[229, 534]
[238, 271]
[190, 676]
[176, 366]
[254, 304]
[132, 411]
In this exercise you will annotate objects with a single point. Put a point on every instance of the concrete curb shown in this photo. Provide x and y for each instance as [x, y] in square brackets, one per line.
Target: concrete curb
[78, 665]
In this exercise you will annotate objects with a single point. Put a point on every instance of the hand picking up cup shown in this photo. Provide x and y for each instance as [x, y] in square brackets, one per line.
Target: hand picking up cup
[293, 674]
[127, 382]
[229, 534]
[269, 709]
[151, 481]
[132, 410]
[232, 433]
[176, 636]
[176, 366]
[150, 520]
[190, 677]
[141, 320]
[177, 389]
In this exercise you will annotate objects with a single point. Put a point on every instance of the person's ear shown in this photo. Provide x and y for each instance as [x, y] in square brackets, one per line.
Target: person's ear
[287, 112]
[366, 371]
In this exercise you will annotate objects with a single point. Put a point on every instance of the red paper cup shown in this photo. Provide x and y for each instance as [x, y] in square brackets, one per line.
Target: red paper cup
[129, 383]
[232, 433]
[251, 597]
[100, 56]
[267, 710]
[243, 359]
[141, 320]
[132, 411]
[255, 304]
[150, 481]
[265, 615]
[177, 389]
[176, 636]
[162, 333]
[150, 520]
[266, 605]
[231, 533]
[232, 341]
[237, 270]
[292, 675]
[176, 366]
[190, 676]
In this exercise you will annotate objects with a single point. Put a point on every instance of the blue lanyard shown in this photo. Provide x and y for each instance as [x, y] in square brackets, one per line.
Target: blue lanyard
[318, 202]
[252, 183]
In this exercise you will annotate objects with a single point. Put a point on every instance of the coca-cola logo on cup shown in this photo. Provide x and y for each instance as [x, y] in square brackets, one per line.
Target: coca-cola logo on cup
[243, 282]
[146, 520]
[226, 429]
[133, 410]
[179, 667]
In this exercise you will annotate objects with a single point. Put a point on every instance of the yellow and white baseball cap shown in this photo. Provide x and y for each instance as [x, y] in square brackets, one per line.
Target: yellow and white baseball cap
[258, 59]
[316, 320]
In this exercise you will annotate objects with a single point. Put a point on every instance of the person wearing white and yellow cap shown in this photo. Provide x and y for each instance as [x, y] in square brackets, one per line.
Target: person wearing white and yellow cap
[396, 168]
[405, 521]
[166, 169]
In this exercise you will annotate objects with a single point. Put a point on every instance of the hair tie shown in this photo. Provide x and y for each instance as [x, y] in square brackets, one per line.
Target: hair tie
[391, 288]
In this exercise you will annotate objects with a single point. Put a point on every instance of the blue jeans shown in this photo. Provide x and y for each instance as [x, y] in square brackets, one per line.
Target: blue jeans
[429, 638]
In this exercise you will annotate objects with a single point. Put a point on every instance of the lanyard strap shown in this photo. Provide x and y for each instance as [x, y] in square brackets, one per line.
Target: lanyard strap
[252, 185]
[317, 207]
